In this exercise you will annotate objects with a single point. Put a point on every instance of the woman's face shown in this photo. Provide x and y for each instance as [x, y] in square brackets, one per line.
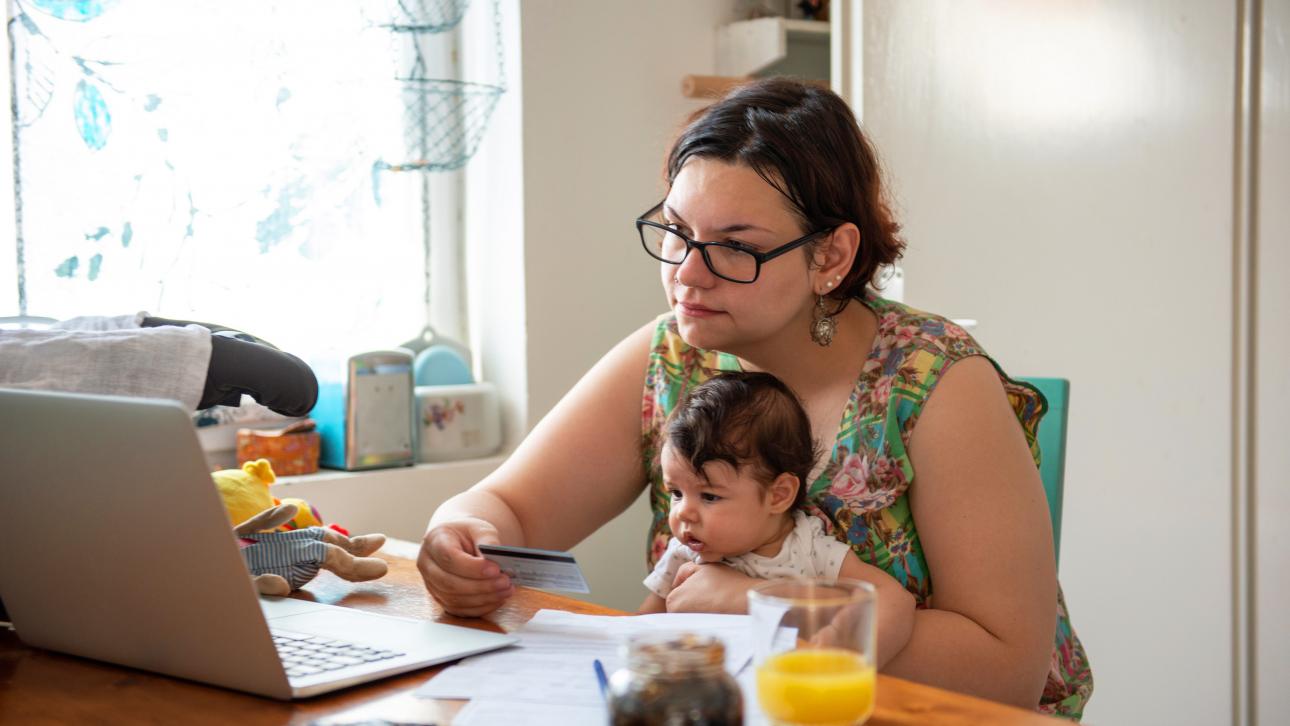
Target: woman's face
[713, 201]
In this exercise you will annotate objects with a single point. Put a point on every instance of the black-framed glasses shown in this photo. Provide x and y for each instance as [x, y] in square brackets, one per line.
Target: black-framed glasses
[727, 260]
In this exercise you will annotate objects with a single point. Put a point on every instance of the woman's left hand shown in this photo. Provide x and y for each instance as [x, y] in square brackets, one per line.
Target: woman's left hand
[709, 588]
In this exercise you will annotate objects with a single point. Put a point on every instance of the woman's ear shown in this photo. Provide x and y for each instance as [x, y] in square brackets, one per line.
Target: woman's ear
[783, 492]
[833, 257]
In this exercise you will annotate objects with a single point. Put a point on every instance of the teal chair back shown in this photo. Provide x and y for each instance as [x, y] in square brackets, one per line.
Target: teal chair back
[1052, 448]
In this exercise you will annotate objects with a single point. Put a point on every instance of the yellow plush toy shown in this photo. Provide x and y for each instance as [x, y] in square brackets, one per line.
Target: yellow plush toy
[283, 541]
[246, 493]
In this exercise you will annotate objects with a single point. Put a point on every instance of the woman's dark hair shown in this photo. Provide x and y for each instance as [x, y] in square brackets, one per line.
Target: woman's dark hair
[804, 141]
[745, 419]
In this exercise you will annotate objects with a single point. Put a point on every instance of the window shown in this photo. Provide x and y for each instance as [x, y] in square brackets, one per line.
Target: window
[220, 163]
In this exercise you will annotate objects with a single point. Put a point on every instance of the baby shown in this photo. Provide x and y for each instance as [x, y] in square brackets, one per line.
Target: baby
[735, 459]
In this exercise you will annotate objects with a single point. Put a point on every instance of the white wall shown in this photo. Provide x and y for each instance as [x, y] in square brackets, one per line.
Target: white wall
[1064, 172]
[1272, 402]
[494, 222]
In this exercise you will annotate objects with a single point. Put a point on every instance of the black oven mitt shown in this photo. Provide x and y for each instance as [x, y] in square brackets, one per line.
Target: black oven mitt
[244, 364]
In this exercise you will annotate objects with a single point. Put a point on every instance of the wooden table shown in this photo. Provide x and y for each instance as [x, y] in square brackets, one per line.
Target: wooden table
[39, 687]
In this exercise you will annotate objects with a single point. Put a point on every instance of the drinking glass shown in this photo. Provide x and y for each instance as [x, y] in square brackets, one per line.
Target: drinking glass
[813, 648]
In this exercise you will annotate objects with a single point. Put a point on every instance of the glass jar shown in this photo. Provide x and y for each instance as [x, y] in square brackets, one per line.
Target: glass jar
[675, 680]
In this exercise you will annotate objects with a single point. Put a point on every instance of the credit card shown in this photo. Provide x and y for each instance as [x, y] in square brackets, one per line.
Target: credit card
[538, 569]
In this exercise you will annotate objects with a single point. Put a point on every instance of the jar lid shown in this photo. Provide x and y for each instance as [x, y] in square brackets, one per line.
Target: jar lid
[675, 654]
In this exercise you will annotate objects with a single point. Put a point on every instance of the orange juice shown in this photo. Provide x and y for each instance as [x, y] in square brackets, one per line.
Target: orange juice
[816, 686]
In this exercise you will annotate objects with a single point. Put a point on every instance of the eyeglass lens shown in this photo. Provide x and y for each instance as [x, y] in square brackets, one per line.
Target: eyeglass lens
[728, 262]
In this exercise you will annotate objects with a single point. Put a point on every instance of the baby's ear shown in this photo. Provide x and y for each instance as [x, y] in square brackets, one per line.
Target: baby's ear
[782, 492]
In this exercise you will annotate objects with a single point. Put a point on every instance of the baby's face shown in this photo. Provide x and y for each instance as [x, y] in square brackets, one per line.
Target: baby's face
[723, 513]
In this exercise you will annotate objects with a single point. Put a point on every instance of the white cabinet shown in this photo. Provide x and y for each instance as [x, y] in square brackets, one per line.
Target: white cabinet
[774, 46]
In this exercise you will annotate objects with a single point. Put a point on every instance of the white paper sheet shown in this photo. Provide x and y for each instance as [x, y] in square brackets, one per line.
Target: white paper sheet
[549, 676]
[553, 662]
[490, 712]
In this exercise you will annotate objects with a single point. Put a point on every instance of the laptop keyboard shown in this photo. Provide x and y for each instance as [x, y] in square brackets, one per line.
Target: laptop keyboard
[307, 655]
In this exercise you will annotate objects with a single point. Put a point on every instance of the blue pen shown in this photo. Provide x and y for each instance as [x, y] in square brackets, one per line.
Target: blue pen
[604, 680]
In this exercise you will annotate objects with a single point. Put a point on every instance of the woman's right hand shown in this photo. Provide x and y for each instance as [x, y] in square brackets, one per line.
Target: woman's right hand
[547, 493]
[462, 581]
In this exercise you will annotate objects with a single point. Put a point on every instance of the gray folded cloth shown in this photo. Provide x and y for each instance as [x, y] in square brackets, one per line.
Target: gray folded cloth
[110, 356]
[198, 364]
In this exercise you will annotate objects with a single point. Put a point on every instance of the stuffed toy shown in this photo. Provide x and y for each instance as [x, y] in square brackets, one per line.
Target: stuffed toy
[283, 542]
[246, 493]
[281, 562]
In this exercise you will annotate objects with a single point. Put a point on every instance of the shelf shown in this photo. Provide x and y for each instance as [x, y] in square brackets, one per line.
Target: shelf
[774, 45]
[806, 28]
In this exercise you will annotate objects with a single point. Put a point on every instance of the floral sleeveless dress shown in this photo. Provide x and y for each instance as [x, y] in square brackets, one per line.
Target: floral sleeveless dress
[862, 492]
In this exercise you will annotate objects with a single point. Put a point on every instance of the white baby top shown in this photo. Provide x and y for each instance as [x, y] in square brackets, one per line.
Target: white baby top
[806, 552]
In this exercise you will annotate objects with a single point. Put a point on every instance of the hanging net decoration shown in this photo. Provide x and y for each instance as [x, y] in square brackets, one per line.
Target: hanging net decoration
[444, 119]
[426, 16]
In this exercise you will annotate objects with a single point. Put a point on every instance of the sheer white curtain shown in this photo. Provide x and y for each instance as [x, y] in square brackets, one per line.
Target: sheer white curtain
[215, 161]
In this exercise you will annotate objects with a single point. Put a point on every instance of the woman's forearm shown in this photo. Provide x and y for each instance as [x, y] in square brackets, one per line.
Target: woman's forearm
[951, 651]
[483, 504]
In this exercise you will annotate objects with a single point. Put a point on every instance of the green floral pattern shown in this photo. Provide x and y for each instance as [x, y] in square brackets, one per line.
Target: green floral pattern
[862, 492]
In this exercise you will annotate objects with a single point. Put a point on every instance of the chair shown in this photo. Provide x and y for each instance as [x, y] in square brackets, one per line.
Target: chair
[1052, 446]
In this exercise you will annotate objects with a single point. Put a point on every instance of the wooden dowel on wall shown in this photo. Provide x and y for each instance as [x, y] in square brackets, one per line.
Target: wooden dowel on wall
[693, 86]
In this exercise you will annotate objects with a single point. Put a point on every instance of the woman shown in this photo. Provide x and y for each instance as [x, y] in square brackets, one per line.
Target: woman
[774, 224]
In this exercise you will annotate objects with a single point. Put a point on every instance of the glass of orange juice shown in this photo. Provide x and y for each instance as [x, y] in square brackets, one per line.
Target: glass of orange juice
[813, 648]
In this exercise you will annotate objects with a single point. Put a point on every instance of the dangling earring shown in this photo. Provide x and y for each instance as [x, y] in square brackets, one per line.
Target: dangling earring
[822, 324]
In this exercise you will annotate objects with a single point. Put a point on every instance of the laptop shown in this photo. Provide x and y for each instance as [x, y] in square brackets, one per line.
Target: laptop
[114, 545]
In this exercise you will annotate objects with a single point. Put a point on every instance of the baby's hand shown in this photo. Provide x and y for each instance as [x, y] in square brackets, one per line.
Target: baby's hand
[684, 572]
[709, 588]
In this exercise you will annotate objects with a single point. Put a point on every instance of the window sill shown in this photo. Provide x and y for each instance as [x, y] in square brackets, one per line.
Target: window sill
[450, 469]
[397, 502]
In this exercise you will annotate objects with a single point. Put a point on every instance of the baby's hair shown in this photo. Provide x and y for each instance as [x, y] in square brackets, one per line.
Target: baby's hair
[745, 419]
